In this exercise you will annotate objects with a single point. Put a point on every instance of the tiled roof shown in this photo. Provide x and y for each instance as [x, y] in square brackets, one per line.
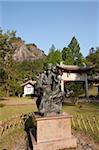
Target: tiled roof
[74, 67]
[29, 81]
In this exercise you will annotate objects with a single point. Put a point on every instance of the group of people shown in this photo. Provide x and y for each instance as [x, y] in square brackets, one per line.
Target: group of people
[48, 92]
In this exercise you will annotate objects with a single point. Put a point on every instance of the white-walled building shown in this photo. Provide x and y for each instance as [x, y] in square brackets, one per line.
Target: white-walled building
[28, 87]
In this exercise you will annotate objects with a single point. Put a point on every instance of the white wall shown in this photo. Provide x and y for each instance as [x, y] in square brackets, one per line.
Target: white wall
[28, 89]
[73, 76]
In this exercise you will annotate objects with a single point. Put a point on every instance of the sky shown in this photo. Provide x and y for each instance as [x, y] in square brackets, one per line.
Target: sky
[53, 22]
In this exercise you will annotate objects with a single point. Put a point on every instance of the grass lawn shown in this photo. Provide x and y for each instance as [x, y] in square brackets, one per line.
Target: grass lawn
[20, 106]
[7, 112]
[17, 100]
[15, 106]
[10, 139]
[87, 109]
[85, 118]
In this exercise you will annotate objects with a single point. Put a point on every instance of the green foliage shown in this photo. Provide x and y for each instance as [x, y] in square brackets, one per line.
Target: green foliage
[6, 60]
[54, 56]
[51, 55]
[57, 57]
[71, 55]
[67, 56]
[2, 76]
[76, 87]
[93, 60]
[12, 73]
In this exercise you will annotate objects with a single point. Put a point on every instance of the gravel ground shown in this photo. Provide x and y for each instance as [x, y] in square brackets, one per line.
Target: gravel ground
[83, 143]
[20, 144]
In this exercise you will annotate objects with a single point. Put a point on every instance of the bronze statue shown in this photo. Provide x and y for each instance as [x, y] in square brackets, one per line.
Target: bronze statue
[49, 94]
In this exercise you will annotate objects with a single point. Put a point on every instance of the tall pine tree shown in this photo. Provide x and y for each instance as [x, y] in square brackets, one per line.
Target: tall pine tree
[75, 51]
[72, 55]
[67, 56]
[54, 56]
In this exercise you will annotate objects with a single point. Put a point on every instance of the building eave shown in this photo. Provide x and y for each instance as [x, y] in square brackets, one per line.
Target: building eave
[29, 82]
[73, 68]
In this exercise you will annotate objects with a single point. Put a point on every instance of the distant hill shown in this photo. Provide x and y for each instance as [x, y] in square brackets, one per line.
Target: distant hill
[26, 51]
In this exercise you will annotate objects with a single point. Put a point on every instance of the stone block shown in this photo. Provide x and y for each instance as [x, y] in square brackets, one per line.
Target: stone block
[52, 132]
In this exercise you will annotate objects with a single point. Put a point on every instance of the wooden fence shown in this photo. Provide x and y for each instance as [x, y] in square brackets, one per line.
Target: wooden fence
[13, 122]
[87, 124]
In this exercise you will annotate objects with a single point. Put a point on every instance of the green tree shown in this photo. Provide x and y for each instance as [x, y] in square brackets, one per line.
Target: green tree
[71, 55]
[67, 56]
[54, 56]
[51, 54]
[76, 54]
[93, 60]
[6, 61]
[12, 73]
[57, 57]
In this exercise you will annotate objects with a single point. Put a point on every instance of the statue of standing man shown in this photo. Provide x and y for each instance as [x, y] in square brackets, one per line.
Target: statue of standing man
[49, 100]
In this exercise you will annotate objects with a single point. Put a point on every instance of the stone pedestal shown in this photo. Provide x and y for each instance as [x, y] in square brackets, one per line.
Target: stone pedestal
[52, 132]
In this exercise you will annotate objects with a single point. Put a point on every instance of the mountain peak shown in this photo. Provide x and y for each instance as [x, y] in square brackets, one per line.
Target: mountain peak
[27, 52]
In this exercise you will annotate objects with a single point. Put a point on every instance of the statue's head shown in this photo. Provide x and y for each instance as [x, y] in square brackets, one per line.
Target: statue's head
[49, 66]
[45, 72]
[54, 69]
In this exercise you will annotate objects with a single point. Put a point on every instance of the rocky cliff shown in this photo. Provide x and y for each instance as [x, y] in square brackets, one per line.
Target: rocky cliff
[27, 51]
